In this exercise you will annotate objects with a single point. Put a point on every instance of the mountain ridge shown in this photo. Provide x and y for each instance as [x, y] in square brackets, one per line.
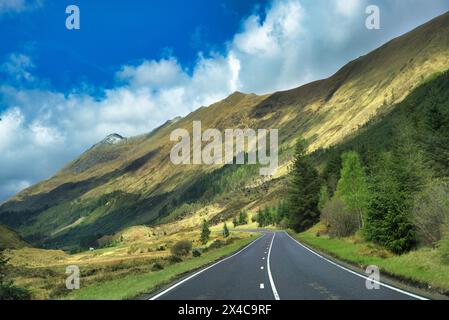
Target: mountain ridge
[139, 177]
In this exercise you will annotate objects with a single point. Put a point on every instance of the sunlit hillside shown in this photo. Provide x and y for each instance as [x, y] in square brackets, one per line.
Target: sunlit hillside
[132, 181]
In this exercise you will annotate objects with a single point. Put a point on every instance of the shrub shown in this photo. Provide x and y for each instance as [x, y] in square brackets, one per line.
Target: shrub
[340, 221]
[430, 213]
[14, 293]
[443, 249]
[174, 259]
[196, 253]
[181, 248]
[7, 290]
[216, 244]
[157, 267]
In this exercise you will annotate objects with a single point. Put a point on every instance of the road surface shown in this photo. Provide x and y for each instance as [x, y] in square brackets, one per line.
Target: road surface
[277, 267]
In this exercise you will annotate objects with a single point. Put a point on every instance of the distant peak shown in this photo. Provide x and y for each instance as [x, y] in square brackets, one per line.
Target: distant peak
[236, 94]
[113, 139]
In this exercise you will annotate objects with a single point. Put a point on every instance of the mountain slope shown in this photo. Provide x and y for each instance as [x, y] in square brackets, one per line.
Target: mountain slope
[116, 185]
[10, 239]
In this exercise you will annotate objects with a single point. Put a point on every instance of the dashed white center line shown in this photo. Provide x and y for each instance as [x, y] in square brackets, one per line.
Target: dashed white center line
[262, 286]
[261, 268]
[263, 258]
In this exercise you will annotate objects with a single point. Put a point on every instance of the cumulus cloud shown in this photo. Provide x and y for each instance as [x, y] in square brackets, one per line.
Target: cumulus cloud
[293, 42]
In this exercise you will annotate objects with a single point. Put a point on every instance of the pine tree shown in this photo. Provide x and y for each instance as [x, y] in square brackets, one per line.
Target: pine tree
[243, 218]
[352, 187]
[303, 191]
[235, 222]
[225, 231]
[205, 232]
[387, 221]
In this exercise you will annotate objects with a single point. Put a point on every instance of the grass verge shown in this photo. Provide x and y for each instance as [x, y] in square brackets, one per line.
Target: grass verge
[422, 267]
[134, 285]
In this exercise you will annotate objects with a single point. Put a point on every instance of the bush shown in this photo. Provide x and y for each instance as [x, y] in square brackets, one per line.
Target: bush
[14, 293]
[174, 259]
[430, 213]
[216, 244]
[157, 267]
[196, 253]
[181, 248]
[340, 221]
[443, 249]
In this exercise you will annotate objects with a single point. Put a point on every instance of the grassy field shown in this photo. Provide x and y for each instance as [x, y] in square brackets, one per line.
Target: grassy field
[133, 285]
[128, 254]
[421, 267]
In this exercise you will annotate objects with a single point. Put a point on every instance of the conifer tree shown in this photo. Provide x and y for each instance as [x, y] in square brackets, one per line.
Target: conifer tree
[225, 231]
[205, 232]
[303, 191]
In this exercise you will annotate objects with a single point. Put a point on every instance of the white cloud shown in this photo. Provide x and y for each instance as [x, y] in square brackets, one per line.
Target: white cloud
[18, 66]
[294, 42]
[348, 7]
[18, 5]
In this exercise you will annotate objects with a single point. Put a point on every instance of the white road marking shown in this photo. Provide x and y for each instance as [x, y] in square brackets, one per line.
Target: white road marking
[263, 258]
[273, 286]
[201, 271]
[261, 268]
[262, 286]
[358, 274]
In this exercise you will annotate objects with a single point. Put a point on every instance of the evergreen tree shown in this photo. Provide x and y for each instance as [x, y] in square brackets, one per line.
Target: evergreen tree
[260, 218]
[225, 231]
[235, 222]
[243, 218]
[388, 221]
[303, 191]
[352, 188]
[205, 232]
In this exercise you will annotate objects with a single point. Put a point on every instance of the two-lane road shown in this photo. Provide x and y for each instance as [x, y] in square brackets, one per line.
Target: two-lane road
[276, 266]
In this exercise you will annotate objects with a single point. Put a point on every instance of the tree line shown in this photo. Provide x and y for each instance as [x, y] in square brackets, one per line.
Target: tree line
[389, 182]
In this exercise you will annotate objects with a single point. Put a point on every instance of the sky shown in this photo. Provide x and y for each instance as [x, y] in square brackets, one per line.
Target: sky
[133, 65]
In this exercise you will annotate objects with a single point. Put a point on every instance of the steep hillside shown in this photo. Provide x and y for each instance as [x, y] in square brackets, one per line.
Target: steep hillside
[123, 182]
[10, 239]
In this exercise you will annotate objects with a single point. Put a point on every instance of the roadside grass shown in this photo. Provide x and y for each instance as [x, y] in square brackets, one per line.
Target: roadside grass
[422, 267]
[131, 286]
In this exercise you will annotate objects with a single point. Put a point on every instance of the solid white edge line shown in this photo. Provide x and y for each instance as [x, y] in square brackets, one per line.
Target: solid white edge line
[201, 271]
[358, 274]
[273, 286]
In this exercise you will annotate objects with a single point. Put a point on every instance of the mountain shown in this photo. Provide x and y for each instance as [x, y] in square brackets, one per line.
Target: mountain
[10, 239]
[124, 182]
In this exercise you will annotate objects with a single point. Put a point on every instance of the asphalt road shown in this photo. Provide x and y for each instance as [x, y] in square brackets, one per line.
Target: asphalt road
[276, 266]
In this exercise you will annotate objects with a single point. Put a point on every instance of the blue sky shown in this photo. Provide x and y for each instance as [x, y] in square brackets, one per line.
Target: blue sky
[114, 33]
[135, 64]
